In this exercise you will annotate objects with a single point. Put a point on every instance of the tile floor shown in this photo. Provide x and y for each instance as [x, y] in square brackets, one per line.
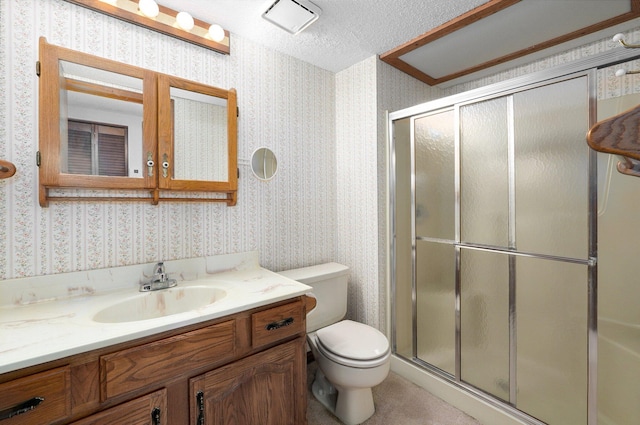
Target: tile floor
[398, 402]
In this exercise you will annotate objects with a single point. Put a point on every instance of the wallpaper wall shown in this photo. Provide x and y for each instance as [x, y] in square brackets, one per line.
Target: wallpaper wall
[327, 202]
[327, 130]
[365, 92]
[285, 104]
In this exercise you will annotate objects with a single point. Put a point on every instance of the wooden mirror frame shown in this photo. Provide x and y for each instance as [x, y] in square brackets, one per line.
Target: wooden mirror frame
[156, 120]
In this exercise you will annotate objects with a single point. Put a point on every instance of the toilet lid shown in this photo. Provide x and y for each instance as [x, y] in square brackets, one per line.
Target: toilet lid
[353, 340]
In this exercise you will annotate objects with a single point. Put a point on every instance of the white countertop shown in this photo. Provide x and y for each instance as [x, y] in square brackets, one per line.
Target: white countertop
[56, 325]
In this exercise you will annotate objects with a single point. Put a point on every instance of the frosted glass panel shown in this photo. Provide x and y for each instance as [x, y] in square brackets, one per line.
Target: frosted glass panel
[523, 185]
[618, 288]
[484, 173]
[484, 313]
[552, 169]
[435, 184]
[435, 267]
[403, 243]
[551, 304]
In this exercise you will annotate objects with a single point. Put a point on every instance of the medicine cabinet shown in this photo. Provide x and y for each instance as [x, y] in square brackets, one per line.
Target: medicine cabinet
[136, 133]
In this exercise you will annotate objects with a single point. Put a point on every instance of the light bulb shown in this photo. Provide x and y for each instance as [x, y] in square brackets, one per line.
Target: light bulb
[216, 32]
[621, 72]
[149, 8]
[618, 37]
[185, 21]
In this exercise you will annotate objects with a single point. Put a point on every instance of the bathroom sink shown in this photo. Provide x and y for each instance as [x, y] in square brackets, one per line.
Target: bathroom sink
[150, 305]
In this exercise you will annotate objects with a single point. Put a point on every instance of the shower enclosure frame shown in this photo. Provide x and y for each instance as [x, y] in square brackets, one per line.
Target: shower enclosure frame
[585, 67]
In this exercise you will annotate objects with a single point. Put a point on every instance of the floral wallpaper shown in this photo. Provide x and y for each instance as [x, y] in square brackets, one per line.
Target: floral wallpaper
[366, 91]
[285, 104]
[327, 202]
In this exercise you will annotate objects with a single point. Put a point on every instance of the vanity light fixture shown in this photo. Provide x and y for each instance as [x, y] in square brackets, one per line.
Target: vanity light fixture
[216, 32]
[151, 15]
[185, 21]
[148, 8]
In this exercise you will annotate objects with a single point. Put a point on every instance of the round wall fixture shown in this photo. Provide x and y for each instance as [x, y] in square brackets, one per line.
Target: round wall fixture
[264, 164]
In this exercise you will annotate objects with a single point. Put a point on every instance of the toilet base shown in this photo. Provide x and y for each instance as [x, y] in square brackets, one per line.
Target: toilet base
[324, 392]
[352, 406]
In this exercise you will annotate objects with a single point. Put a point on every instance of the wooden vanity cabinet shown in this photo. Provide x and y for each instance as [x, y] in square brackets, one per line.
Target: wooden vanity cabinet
[266, 388]
[39, 398]
[148, 409]
[260, 389]
[247, 368]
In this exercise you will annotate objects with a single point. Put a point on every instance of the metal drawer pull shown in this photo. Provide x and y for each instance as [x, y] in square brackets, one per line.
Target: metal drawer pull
[279, 324]
[21, 408]
[155, 416]
[200, 402]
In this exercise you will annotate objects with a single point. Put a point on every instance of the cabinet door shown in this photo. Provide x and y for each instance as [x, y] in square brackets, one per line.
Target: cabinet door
[108, 125]
[267, 388]
[145, 410]
[197, 138]
[77, 87]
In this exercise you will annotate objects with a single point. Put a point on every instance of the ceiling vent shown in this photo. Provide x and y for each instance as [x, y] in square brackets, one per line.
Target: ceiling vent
[292, 15]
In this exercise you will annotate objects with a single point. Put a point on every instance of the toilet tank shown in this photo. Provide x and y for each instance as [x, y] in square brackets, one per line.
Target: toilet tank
[329, 283]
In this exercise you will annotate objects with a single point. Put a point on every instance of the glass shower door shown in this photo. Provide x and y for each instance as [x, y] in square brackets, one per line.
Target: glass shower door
[552, 221]
[501, 243]
[434, 218]
[485, 196]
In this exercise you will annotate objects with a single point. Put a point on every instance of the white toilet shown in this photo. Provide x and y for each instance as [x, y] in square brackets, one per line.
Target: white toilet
[352, 357]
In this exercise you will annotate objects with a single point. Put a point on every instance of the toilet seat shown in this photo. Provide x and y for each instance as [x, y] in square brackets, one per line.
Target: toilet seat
[353, 344]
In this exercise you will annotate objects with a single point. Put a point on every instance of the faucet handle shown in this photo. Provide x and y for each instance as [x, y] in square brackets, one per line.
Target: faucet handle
[159, 268]
[159, 280]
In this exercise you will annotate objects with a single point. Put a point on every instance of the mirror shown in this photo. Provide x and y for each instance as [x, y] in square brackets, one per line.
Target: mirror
[97, 122]
[100, 122]
[264, 164]
[109, 125]
[200, 136]
[196, 136]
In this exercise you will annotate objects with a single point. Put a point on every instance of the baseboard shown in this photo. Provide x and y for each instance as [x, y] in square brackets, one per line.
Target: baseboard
[478, 409]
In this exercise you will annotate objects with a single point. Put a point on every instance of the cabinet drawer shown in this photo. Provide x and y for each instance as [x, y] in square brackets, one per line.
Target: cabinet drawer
[41, 398]
[148, 409]
[277, 323]
[163, 360]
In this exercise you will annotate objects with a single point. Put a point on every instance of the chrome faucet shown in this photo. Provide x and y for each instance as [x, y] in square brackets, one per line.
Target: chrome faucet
[158, 281]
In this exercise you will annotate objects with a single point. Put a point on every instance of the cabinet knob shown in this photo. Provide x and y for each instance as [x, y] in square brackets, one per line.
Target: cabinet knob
[150, 164]
[165, 165]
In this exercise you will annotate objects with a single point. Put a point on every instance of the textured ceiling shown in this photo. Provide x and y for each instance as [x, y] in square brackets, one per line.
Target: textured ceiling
[347, 32]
